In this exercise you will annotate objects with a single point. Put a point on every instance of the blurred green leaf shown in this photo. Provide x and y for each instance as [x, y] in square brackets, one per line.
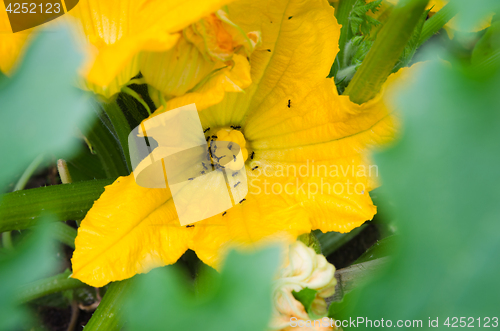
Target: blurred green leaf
[472, 13]
[39, 106]
[242, 300]
[443, 178]
[31, 260]
[486, 53]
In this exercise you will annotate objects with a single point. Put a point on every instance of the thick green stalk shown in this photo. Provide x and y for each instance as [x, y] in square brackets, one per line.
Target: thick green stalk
[386, 50]
[436, 22]
[109, 314]
[47, 286]
[22, 209]
[63, 233]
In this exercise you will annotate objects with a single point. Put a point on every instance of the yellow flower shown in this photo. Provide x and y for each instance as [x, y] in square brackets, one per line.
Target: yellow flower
[302, 268]
[209, 59]
[309, 145]
[116, 32]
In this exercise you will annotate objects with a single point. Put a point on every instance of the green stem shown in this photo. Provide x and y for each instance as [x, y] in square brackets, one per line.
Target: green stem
[108, 316]
[386, 50]
[47, 286]
[7, 240]
[436, 22]
[22, 209]
[136, 95]
[62, 169]
[63, 233]
[21, 183]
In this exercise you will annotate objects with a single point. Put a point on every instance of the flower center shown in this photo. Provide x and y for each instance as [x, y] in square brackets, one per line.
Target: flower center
[226, 153]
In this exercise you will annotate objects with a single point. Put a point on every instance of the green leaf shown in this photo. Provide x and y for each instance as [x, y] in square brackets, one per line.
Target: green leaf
[241, 299]
[39, 106]
[310, 240]
[306, 297]
[331, 241]
[106, 145]
[22, 209]
[443, 179]
[383, 247]
[84, 165]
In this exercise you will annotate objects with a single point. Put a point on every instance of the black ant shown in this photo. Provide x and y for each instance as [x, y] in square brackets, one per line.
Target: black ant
[206, 130]
[191, 178]
[224, 213]
[189, 226]
[289, 103]
[215, 137]
[204, 166]
[234, 157]
[251, 156]
[235, 127]
[243, 200]
[254, 168]
[236, 184]
[234, 174]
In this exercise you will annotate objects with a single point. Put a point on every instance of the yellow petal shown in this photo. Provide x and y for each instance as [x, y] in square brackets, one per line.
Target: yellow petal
[231, 79]
[210, 59]
[261, 218]
[126, 234]
[121, 29]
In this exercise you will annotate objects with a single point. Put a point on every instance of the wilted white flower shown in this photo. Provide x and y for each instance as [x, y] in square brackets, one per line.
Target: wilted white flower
[302, 268]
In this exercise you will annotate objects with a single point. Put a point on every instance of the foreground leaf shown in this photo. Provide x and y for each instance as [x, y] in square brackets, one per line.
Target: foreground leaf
[30, 261]
[239, 299]
[443, 180]
[39, 105]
